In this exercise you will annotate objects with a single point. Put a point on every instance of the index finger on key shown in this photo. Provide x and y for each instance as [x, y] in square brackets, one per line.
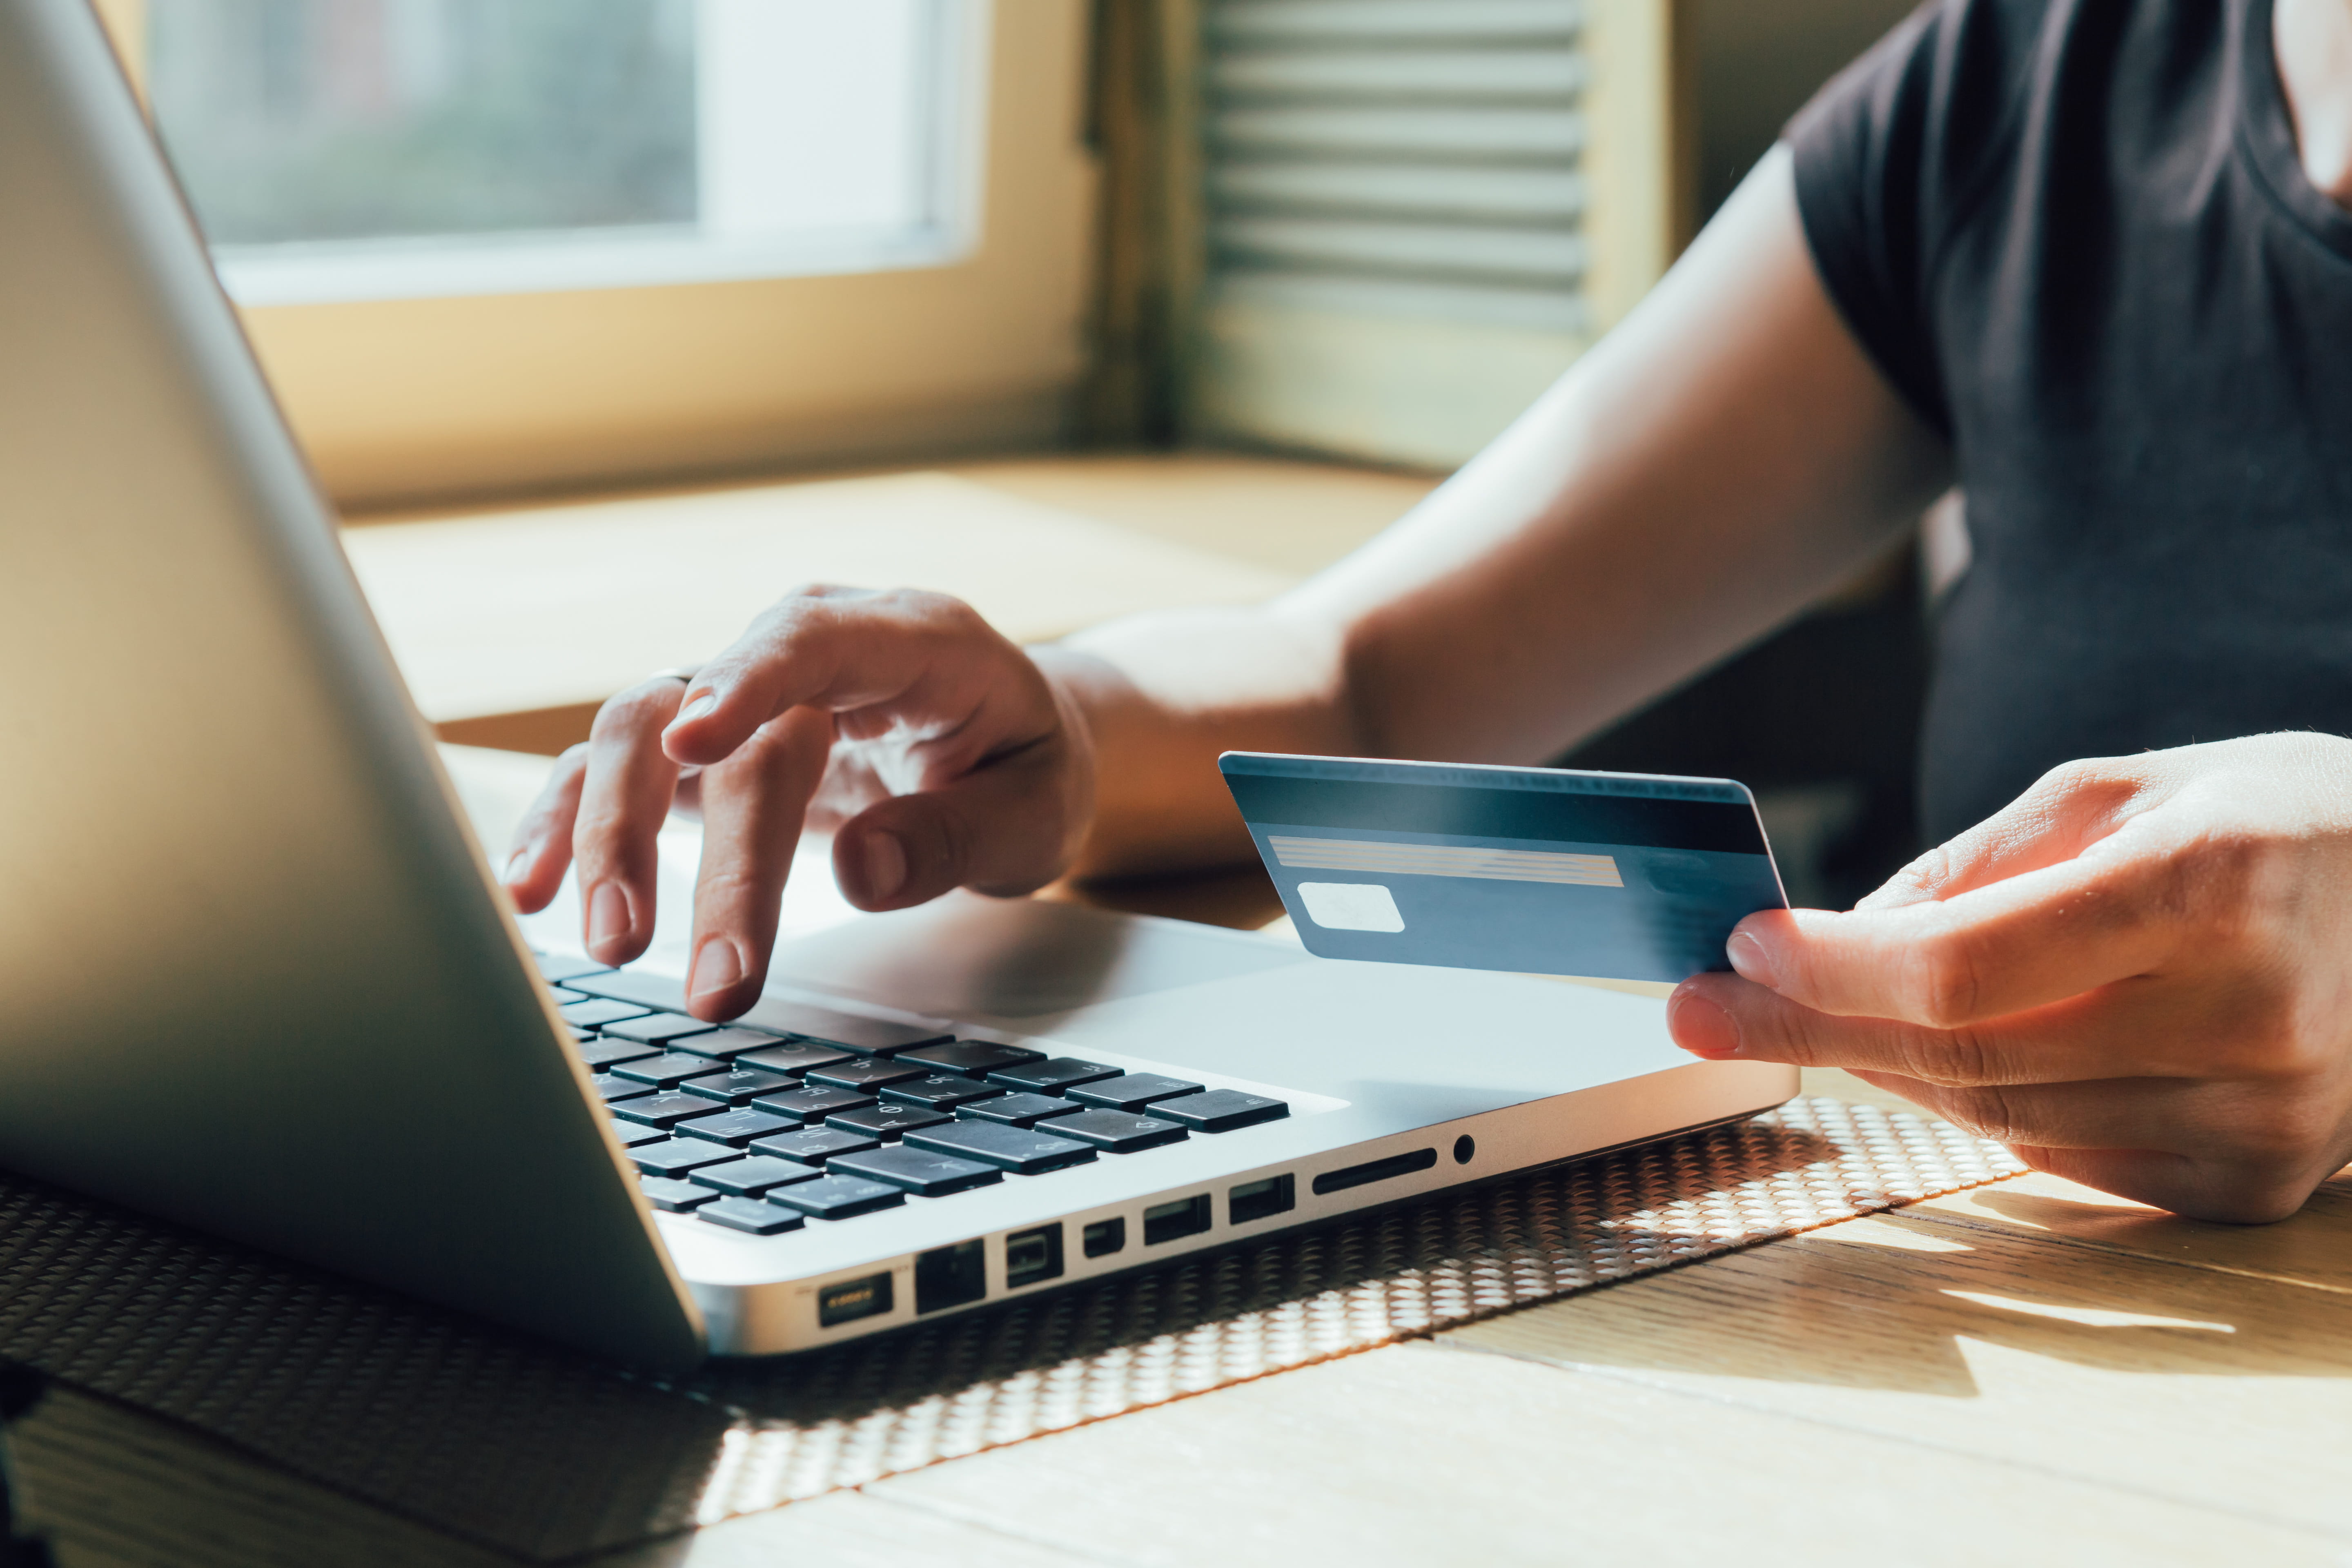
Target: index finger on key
[624, 799]
[2024, 942]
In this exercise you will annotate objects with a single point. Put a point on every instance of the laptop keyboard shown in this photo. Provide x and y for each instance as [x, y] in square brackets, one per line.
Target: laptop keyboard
[828, 1116]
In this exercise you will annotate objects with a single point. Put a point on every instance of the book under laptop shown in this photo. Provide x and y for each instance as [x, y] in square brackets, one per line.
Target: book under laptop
[259, 978]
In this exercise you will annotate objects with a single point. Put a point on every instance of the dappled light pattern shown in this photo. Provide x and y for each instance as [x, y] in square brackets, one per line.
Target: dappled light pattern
[535, 1450]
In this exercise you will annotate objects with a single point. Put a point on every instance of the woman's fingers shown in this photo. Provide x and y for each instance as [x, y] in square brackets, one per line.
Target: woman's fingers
[1007, 827]
[2140, 1028]
[542, 850]
[2023, 943]
[752, 806]
[623, 800]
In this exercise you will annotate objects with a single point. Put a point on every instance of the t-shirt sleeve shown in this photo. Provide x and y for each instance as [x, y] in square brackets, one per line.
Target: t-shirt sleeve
[1866, 152]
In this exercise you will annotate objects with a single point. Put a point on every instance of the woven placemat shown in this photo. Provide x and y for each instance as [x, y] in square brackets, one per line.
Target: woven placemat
[549, 1453]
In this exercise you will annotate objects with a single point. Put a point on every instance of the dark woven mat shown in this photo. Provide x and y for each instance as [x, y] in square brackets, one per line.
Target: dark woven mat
[538, 1451]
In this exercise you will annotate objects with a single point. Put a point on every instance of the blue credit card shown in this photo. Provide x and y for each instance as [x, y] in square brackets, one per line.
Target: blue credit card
[1534, 870]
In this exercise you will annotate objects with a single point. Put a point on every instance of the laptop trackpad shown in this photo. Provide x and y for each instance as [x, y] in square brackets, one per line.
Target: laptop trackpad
[1014, 958]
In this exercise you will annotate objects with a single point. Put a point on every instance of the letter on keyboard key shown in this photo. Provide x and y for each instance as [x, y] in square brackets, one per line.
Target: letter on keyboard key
[1016, 1110]
[1051, 1076]
[657, 1028]
[661, 1109]
[973, 1059]
[1120, 1131]
[1129, 1091]
[840, 1197]
[1007, 1148]
[924, 1174]
[937, 1092]
[752, 1214]
[676, 1157]
[595, 1013]
[738, 1085]
[813, 1145]
[790, 1057]
[813, 1104]
[751, 1176]
[600, 1054]
[865, 1076]
[883, 1121]
[1220, 1110]
[669, 1192]
[738, 1126]
[664, 1071]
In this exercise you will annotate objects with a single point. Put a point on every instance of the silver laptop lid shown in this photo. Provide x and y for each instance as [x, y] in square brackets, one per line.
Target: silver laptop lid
[256, 976]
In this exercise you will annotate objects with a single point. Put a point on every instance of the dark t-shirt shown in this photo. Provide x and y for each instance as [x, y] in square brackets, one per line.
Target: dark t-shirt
[2075, 236]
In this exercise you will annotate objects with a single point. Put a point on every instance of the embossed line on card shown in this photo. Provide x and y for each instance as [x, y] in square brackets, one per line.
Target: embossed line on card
[1444, 860]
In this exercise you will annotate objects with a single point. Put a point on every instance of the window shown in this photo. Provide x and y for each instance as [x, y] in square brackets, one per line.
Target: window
[377, 148]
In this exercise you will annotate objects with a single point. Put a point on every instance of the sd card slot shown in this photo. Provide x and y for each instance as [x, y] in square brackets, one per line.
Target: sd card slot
[1372, 1170]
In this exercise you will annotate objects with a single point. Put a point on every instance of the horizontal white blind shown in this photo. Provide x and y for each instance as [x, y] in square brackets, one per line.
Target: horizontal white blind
[1415, 158]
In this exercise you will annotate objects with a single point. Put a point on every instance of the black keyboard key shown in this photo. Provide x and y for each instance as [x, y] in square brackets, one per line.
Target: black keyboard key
[676, 1157]
[610, 1088]
[814, 1145]
[792, 1058]
[924, 1174]
[814, 1104]
[600, 1054]
[752, 1214]
[1129, 1091]
[1053, 1075]
[850, 1031]
[973, 1059]
[658, 1028]
[632, 1134]
[669, 1192]
[751, 1177]
[869, 1074]
[1220, 1110]
[723, 1043]
[883, 1121]
[1006, 1148]
[1016, 1110]
[840, 1197]
[938, 1091]
[661, 1109]
[664, 1071]
[594, 1012]
[738, 1126]
[739, 1086]
[1120, 1131]
[554, 967]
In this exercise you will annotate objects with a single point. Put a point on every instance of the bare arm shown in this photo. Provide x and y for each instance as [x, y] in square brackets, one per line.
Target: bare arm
[1721, 458]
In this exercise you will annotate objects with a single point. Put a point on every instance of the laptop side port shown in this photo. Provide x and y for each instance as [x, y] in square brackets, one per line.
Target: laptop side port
[853, 1298]
[1031, 1255]
[1261, 1200]
[951, 1275]
[1105, 1237]
[1185, 1216]
[1372, 1170]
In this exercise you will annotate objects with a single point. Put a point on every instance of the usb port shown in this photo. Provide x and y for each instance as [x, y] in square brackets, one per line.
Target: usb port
[1260, 1200]
[1031, 1255]
[1166, 1222]
[852, 1300]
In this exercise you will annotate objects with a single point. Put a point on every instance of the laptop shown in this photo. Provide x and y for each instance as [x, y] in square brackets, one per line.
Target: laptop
[260, 980]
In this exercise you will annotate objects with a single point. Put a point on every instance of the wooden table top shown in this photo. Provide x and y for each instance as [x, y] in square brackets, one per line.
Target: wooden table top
[2031, 1371]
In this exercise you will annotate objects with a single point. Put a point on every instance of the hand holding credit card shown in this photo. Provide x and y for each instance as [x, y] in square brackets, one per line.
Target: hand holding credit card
[1533, 870]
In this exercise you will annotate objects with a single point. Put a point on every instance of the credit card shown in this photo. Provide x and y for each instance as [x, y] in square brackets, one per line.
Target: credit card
[1533, 870]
